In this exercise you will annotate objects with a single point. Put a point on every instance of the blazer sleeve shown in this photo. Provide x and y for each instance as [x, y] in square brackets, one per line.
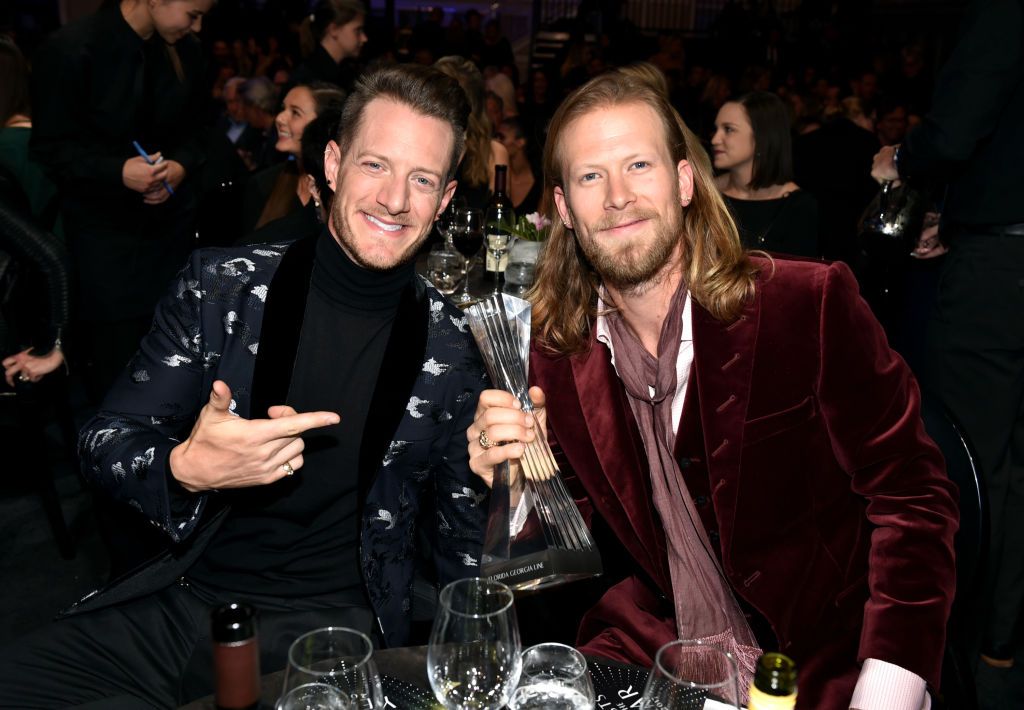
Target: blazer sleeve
[871, 406]
[461, 496]
[125, 448]
[972, 92]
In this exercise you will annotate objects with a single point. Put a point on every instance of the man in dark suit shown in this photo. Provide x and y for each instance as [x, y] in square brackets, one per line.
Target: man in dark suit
[973, 139]
[310, 519]
[737, 424]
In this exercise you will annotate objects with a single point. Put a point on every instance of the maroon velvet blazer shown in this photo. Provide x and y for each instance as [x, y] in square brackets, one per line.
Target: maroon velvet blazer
[835, 515]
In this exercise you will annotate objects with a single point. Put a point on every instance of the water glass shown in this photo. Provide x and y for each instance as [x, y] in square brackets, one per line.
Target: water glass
[446, 269]
[339, 657]
[554, 677]
[688, 674]
[314, 696]
[473, 660]
[519, 276]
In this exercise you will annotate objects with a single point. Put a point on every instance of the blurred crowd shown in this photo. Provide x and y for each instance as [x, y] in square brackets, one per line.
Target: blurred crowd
[151, 128]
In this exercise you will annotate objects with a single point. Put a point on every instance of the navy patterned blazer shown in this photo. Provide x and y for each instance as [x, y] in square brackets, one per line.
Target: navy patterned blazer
[236, 315]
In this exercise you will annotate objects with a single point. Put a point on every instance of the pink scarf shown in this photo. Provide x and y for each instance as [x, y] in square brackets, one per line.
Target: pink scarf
[704, 603]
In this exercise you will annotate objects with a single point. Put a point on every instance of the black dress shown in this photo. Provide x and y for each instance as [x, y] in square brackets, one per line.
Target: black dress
[531, 200]
[787, 225]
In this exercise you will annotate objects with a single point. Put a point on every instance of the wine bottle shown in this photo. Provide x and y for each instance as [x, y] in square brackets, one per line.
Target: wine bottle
[236, 657]
[499, 221]
[774, 686]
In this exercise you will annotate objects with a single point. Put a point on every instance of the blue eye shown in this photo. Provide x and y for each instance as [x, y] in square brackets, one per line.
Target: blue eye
[641, 164]
[588, 177]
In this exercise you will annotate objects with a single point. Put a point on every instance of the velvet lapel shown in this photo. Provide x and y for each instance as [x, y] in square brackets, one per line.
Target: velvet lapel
[623, 486]
[399, 370]
[282, 324]
[723, 365]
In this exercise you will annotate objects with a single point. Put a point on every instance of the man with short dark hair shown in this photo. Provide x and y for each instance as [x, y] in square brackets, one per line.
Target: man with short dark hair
[292, 421]
[735, 428]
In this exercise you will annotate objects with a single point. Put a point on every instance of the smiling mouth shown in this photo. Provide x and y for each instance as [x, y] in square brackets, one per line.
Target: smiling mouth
[383, 226]
[624, 225]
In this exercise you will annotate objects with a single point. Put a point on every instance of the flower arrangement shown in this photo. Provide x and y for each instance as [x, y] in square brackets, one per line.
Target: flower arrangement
[532, 227]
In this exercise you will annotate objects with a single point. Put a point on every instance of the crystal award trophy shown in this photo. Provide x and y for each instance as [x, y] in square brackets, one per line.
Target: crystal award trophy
[535, 536]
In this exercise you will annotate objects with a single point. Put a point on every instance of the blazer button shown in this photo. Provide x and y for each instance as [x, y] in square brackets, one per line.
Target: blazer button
[714, 536]
[701, 501]
[684, 463]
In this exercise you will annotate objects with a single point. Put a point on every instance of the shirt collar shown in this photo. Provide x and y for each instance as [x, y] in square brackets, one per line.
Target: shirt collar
[601, 326]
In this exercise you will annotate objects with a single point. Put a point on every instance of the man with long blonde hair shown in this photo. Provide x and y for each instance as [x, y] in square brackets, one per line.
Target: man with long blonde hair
[738, 423]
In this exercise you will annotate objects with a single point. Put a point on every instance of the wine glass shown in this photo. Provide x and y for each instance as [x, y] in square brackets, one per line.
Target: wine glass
[339, 657]
[314, 696]
[473, 659]
[448, 219]
[688, 673]
[467, 237]
[554, 676]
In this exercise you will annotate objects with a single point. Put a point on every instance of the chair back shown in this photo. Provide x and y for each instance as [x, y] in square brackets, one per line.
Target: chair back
[971, 541]
[958, 688]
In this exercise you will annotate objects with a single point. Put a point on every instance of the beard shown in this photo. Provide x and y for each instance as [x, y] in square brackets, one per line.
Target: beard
[635, 264]
[346, 238]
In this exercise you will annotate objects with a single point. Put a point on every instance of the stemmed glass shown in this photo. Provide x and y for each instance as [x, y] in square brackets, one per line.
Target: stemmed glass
[554, 676]
[692, 675]
[314, 696]
[339, 657]
[467, 236]
[498, 244]
[473, 659]
[446, 220]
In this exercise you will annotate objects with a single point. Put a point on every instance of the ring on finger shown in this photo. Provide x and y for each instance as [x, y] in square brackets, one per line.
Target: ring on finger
[23, 377]
[288, 470]
[485, 442]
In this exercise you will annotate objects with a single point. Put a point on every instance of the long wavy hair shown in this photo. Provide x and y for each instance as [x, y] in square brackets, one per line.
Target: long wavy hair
[719, 274]
[476, 170]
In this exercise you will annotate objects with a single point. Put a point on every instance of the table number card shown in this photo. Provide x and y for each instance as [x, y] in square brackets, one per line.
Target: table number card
[617, 686]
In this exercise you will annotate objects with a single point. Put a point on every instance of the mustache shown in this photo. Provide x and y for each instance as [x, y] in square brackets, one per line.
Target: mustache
[635, 215]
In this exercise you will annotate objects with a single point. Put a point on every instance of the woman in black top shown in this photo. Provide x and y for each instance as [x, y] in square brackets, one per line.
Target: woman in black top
[130, 72]
[332, 33]
[752, 149]
[283, 189]
[525, 188]
[476, 171]
[33, 314]
[310, 220]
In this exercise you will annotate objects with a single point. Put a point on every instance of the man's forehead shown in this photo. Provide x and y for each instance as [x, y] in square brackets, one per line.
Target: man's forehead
[396, 129]
[623, 127]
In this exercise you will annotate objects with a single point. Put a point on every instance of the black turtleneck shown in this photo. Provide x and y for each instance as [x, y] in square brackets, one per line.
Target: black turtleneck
[297, 540]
